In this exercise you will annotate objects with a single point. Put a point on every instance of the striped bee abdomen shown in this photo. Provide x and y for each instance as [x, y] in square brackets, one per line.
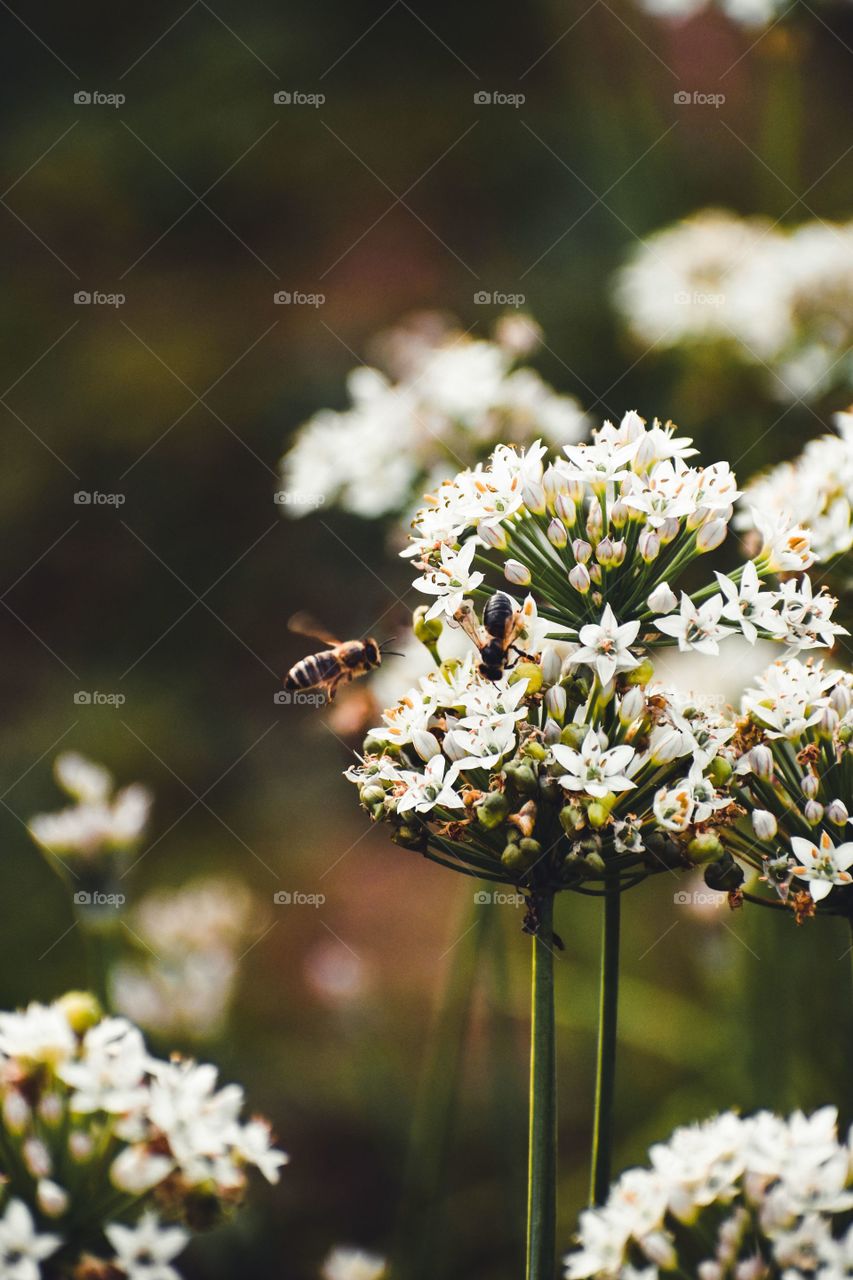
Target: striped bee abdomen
[317, 668]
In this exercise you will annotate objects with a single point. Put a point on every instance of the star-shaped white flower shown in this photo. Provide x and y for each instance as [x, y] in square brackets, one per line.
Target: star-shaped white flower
[606, 646]
[592, 769]
[696, 628]
[450, 581]
[22, 1248]
[144, 1252]
[822, 866]
[426, 790]
[748, 606]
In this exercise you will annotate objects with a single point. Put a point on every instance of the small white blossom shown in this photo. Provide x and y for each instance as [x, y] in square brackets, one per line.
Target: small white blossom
[822, 865]
[593, 770]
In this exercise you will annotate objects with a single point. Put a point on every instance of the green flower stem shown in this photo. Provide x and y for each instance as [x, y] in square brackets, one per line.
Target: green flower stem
[542, 1165]
[605, 1076]
[425, 1183]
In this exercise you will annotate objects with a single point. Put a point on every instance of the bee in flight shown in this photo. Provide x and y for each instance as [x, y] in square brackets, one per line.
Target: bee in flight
[344, 660]
[503, 622]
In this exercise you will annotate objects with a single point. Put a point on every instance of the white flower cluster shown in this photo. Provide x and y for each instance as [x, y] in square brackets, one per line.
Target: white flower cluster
[448, 396]
[749, 13]
[779, 299]
[754, 1198]
[89, 1119]
[182, 983]
[486, 770]
[815, 490]
[617, 520]
[794, 768]
[100, 820]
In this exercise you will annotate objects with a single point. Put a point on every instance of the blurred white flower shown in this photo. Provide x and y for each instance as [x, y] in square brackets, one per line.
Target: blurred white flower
[22, 1248]
[144, 1251]
[353, 1264]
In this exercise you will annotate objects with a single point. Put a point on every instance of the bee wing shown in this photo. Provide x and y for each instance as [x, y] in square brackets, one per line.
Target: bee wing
[465, 618]
[304, 624]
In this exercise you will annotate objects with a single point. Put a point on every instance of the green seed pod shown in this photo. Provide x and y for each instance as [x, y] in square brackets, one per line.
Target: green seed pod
[724, 875]
[514, 860]
[595, 862]
[598, 814]
[720, 771]
[549, 789]
[81, 1009]
[573, 735]
[531, 850]
[409, 837]
[427, 630]
[535, 750]
[642, 674]
[572, 818]
[371, 795]
[492, 810]
[705, 848]
[521, 777]
[529, 671]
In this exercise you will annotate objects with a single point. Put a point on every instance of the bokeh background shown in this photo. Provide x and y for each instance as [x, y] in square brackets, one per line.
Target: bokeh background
[197, 199]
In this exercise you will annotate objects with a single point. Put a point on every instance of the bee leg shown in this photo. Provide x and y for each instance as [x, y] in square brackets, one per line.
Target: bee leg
[332, 689]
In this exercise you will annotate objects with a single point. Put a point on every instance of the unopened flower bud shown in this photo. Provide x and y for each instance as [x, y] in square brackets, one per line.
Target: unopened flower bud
[761, 762]
[809, 785]
[517, 573]
[565, 509]
[828, 722]
[533, 497]
[664, 745]
[16, 1112]
[551, 732]
[840, 699]
[553, 484]
[80, 1146]
[764, 824]
[813, 812]
[836, 812]
[619, 515]
[494, 536]
[557, 535]
[648, 545]
[52, 1200]
[551, 665]
[604, 552]
[50, 1109]
[663, 599]
[711, 535]
[37, 1158]
[581, 550]
[667, 530]
[555, 701]
[579, 578]
[425, 743]
[619, 552]
[632, 706]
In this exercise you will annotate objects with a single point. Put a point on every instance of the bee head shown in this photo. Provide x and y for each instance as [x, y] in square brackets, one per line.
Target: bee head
[372, 652]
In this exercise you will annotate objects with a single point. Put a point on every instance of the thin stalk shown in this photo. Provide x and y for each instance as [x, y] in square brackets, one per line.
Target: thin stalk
[605, 1073]
[542, 1164]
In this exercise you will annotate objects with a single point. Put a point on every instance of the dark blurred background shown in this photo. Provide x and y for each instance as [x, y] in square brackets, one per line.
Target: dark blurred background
[198, 198]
